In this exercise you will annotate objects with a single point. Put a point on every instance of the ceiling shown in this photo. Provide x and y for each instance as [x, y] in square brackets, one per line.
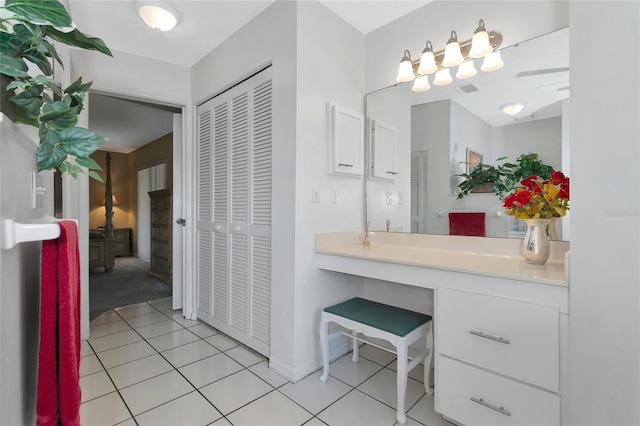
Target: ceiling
[117, 23]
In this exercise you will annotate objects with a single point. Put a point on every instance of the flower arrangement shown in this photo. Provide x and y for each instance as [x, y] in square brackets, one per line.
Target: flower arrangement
[539, 199]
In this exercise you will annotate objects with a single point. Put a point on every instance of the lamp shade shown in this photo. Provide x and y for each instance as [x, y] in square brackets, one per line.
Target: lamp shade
[452, 54]
[427, 61]
[492, 62]
[443, 77]
[466, 70]
[405, 69]
[512, 108]
[480, 44]
[158, 15]
[421, 84]
[113, 199]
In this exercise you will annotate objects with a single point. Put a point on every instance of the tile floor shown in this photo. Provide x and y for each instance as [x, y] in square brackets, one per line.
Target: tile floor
[145, 364]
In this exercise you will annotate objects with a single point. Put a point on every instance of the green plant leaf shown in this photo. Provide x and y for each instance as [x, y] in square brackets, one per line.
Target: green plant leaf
[49, 157]
[23, 117]
[88, 162]
[79, 142]
[29, 100]
[96, 176]
[15, 84]
[12, 67]
[41, 61]
[77, 86]
[41, 12]
[78, 39]
[59, 115]
[70, 169]
[48, 135]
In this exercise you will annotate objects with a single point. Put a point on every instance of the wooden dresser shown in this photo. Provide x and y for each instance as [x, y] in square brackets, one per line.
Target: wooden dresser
[161, 230]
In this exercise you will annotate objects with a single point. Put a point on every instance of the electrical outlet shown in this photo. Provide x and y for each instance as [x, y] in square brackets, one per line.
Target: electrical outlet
[315, 194]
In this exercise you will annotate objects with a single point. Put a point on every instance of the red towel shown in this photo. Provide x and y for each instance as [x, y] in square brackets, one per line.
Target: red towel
[467, 223]
[58, 394]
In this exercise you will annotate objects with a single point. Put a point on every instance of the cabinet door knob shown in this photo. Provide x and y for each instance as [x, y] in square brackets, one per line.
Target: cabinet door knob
[181, 221]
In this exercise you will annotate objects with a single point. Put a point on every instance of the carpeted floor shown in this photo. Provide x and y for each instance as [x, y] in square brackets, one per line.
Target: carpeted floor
[128, 283]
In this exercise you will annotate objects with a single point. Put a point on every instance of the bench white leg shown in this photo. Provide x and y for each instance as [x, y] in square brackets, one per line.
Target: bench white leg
[324, 345]
[428, 362]
[402, 381]
[354, 356]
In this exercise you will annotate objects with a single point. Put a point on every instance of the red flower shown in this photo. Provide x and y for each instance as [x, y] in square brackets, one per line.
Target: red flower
[531, 182]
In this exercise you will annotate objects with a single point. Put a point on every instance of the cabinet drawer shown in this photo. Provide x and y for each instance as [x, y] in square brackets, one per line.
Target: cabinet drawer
[160, 217]
[160, 232]
[514, 338]
[160, 249]
[160, 202]
[458, 383]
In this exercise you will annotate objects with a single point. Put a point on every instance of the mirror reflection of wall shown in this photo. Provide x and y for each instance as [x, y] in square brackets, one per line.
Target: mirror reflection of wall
[447, 121]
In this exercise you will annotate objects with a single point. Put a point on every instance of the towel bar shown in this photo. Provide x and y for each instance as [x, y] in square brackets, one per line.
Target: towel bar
[14, 233]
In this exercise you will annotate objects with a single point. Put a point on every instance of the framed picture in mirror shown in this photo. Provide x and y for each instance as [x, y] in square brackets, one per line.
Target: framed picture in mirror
[473, 159]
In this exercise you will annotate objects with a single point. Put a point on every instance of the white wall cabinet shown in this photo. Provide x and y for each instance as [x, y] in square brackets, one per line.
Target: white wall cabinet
[497, 360]
[384, 150]
[234, 212]
[347, 142]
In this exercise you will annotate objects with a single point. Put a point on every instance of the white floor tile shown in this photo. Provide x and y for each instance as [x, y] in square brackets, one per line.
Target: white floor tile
[131, 311]
[358, 409]
[221, 422]
[417, 373]
[136, 371]
[85, 349]
[263, 371]
[382, 386]
[222, 342]
[273, 409]
[210, 369]
[151, 393]
[162, 304]
[190, 409]
[106, 410]
[191, 352]
[244, 356]
[234, 391]
[353, 373]
[203, 330]
[105, 317]
[95, 385]
[314, 395]
[124, 354]
[172, 340]
[159, 328]
[129, 422]
[376, 355]
[142, 320]
[424, 413]
[315, 422]
[89, 365]
[108, 328]
[180, 319]
[111, 341]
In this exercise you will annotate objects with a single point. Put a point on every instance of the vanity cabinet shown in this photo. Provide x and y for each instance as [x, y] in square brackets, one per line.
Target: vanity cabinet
[497, 359]
[347, 142]
[384, 147]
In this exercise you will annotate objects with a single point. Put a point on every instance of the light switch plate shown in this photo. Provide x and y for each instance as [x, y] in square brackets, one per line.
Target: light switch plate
[335, 195]
[389, 197]
[315, 194]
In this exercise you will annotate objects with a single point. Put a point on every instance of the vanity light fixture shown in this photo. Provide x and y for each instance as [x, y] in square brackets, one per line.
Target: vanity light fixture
[452, 54]
[483, 44]
[160, 16]
[512, 108]
[405, 70]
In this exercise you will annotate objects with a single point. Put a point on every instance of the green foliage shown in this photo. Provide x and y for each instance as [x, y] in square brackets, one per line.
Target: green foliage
[526, 165]
[484, 173]
[40, 101]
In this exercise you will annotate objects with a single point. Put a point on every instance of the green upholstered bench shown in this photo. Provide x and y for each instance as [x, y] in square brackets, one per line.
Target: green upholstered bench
[400, 327]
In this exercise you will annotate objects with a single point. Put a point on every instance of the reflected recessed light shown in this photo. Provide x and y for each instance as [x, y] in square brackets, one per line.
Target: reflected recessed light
[512, 108]
[158, 15]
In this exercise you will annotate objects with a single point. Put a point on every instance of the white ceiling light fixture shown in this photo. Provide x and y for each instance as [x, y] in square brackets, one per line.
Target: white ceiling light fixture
[158, 15]
[484, 44]
[512, 108]
[421, 84]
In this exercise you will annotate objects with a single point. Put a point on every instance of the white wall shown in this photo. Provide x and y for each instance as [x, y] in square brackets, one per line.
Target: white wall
[545, 135]
[605, 223]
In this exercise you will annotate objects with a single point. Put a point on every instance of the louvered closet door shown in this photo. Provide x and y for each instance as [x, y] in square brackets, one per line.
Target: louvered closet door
[234, 259]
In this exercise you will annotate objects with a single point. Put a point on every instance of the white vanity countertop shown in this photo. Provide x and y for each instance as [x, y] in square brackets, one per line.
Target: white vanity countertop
[492, 257]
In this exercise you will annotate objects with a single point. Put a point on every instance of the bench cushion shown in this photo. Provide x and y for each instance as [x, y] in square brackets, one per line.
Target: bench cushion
[391, 319]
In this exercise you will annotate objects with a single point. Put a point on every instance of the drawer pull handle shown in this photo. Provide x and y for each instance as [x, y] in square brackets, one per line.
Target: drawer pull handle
[488, 336]
[344, 165]
[493, 407]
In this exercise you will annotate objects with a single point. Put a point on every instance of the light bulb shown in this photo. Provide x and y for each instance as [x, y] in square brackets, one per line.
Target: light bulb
[427, 61]
[512, 108]
[492, 62]
[466, 70]
[158, 15]
[421, 84]
[480, 45]
[452, 54]
[443, 77]
[405, 69]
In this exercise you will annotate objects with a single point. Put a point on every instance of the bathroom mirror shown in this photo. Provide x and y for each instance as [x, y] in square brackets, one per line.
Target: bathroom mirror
[436, 130]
